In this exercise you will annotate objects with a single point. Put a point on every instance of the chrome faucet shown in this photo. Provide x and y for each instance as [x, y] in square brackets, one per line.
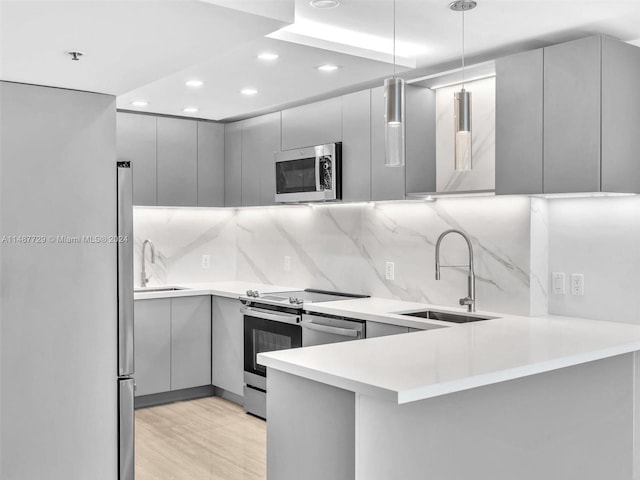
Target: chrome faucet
[143, 273]
[470, 299]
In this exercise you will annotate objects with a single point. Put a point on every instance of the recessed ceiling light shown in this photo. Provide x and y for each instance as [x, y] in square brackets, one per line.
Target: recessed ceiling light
[140, 103]
[194, 83]
[268, 56]
[190, 109]
[324, 3]
[248, 91]
[328, 68]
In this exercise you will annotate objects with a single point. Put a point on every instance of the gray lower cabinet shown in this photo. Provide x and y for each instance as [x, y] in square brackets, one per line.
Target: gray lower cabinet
[136, 142]
[227, 359]
[419, 172]
[152, 357]
[233, 164]
[314, 124]
[190, 342]
[356, 147]
[172, 344]
[566, 120]
[376, 329]
[210, 178]
[177, 162]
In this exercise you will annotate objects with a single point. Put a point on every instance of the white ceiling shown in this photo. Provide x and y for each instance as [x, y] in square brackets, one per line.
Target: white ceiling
[147, 49]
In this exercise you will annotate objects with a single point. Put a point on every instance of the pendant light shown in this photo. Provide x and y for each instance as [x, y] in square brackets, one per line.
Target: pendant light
[462, 105]
[394, 112]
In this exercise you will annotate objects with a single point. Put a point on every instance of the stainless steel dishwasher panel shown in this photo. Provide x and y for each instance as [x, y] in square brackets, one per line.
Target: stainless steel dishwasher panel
[320, 330]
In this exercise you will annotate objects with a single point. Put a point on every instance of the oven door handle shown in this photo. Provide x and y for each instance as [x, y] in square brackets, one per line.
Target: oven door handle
[344, 332]
[254, 312]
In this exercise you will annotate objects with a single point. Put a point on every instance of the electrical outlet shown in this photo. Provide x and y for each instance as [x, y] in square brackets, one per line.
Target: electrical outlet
[206, 261]
[577, 284]
[389, 271]
[558, 283]
[287, 263]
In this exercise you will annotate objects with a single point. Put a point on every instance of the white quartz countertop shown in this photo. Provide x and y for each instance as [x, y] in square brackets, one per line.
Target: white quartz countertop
[419, 365]
[229, 289]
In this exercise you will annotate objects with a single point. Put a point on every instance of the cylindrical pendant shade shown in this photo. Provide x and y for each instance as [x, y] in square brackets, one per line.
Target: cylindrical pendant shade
[463, 138]
[394, 122]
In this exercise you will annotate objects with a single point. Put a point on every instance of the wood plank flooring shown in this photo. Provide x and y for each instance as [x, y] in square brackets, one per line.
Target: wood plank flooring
[205, 439]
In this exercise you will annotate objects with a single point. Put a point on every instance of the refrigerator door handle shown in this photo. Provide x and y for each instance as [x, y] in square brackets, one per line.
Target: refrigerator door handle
[126, 427]
[125, 270]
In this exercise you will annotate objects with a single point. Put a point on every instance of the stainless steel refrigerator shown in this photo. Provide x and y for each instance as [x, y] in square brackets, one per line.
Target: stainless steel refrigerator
[126, 384]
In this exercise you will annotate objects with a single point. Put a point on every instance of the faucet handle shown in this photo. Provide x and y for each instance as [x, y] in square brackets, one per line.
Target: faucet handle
[469, 303]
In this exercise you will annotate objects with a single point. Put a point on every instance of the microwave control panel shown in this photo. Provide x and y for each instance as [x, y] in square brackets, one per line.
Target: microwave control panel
[326, 174]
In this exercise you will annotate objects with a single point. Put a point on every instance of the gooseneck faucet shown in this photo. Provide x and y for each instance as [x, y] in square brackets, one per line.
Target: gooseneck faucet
[143, 271]
[470, 299]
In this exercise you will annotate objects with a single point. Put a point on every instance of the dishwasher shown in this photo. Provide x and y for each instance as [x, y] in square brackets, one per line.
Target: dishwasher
[320, 329]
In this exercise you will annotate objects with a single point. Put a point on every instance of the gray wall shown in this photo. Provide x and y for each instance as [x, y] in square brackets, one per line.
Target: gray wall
[58, 311]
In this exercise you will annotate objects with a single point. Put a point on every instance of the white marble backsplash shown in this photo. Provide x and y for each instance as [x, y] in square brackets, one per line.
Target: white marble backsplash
[599, 238]
[181, 236]
[345, 247]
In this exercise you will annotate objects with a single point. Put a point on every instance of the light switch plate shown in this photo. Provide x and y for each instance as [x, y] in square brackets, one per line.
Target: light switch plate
[577, 284]
[557, 286]
[206, 261]
[287, 263]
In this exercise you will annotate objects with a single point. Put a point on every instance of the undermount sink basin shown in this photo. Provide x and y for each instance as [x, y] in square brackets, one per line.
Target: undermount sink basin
[448, 316]
[157, 289]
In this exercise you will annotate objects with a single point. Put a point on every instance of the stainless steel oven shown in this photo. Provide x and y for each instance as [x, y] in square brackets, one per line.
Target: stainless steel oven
[273, 322]
[312, 174]
[265, 330]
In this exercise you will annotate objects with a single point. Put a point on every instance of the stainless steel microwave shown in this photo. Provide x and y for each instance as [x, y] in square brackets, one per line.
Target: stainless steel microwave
[312, 174]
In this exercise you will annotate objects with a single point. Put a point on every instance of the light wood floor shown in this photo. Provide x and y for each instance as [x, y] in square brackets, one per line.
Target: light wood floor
[206, 439]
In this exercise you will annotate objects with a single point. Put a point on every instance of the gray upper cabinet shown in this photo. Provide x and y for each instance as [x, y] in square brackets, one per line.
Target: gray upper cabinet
[572, 116]
[620, 117]
[227, 358]
[566, 119]
[356, 147]
[190, 342]
[260, 142]
[314, 124]
[519, 114]
[177, 162]
[233, 164]
[210, 186]
[419, 174]
[136, 142]
[420, 139]
[152, 354]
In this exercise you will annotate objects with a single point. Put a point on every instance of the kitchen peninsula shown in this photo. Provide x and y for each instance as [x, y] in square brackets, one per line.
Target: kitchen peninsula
[508, 398]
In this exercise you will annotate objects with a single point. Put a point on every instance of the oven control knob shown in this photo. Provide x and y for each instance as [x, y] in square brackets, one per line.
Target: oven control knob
[292, 300]
[249, 293]
[256, 293]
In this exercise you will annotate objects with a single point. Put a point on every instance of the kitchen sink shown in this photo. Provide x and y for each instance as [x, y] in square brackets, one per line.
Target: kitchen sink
[448, 316]
[157, 289]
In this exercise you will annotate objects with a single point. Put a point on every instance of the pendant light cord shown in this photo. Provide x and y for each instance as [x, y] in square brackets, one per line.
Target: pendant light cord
[462, 50]
[394, 38]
